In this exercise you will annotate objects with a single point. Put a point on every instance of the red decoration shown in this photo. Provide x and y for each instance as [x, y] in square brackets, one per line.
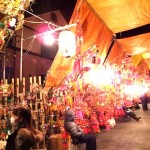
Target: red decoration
[77, 66]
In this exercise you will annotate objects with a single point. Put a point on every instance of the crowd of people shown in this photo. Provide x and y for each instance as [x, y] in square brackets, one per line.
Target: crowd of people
[24, 135]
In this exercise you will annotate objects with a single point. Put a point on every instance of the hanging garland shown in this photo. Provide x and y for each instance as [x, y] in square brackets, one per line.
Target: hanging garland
[12, 7]
[11, 17]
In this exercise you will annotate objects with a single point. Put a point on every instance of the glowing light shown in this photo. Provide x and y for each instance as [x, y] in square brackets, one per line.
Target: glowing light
[12, 23]
[139, 50]
[67, 43]
[146, 55]
[100, 77]
[135, 90]
[48, 39]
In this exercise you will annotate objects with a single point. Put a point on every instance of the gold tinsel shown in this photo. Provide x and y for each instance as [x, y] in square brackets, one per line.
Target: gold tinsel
[11, 9]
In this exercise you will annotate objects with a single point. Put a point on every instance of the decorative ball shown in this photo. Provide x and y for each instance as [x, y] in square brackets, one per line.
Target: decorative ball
[2, 26]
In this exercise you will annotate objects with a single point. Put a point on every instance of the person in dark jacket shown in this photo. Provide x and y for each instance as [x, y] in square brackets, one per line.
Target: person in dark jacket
[144, 100]
[77, 133]
[23, 135]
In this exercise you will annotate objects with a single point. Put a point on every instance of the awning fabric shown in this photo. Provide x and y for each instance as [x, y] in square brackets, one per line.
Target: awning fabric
[101, 20]
[122, 15]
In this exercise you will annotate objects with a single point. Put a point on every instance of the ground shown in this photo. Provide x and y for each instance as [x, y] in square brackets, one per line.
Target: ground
[131, 135]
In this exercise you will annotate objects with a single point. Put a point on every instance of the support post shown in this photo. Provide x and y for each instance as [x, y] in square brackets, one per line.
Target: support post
[21, 52]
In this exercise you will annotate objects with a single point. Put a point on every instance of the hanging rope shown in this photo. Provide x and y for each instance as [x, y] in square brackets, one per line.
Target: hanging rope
[29, 48]
[51, 31]
[42, 19]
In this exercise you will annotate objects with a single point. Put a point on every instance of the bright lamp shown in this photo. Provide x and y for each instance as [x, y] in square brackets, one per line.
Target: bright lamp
[67, 43]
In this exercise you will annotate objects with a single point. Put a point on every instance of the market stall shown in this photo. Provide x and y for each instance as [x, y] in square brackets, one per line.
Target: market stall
[94, 76]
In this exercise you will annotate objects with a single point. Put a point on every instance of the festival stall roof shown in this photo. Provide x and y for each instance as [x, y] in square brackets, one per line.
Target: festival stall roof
[119, 29]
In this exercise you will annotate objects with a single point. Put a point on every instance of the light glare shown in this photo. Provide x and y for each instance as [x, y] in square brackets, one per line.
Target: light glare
[48, 39]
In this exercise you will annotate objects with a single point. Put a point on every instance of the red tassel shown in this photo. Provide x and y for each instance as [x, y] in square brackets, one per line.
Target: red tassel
[77, 66]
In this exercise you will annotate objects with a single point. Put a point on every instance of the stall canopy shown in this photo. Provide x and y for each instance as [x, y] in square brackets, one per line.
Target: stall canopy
[120, 29]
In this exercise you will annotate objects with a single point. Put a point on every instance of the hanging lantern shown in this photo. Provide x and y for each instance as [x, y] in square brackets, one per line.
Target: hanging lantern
[67, 43]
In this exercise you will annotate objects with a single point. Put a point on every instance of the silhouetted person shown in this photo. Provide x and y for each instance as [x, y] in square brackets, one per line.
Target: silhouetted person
[144, 101]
